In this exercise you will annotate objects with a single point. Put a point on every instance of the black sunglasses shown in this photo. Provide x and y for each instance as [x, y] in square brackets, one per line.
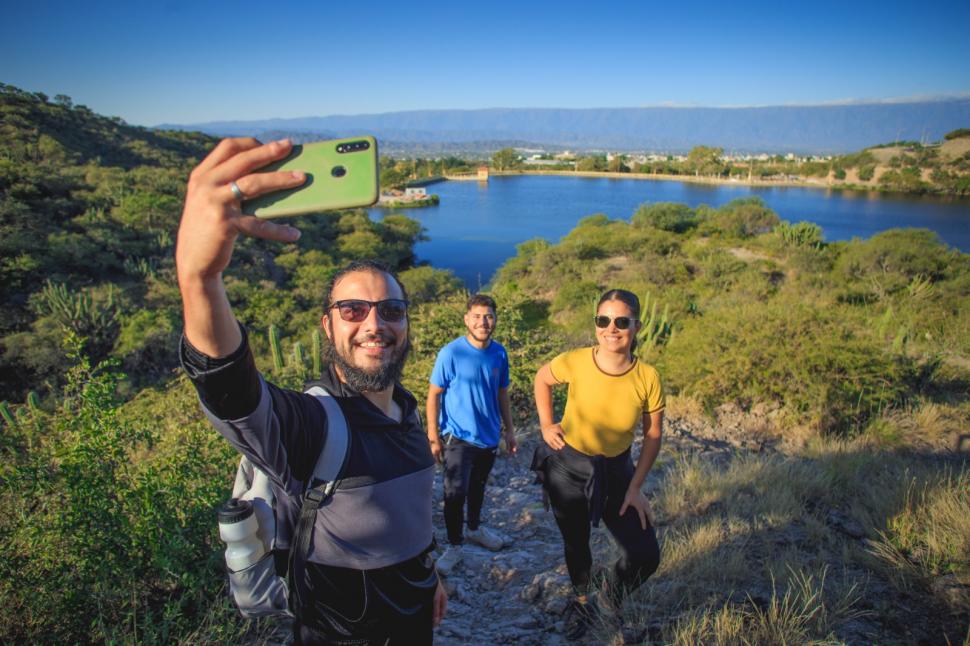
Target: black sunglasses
[355, 310]
[621, 322]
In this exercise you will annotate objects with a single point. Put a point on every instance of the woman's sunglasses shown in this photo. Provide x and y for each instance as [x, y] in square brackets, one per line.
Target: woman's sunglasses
[354, 310]
[621, 322]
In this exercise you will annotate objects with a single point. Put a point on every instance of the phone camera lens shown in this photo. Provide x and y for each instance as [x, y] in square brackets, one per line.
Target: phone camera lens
[338, 171]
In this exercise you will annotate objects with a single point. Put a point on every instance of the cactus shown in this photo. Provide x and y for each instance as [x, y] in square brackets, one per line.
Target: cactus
[7, 415]
[802, 234]
[655, 330]
[144, 267]
[317, 353]
[74, 310]
[298, 357]
[274, 344]
[33, 401]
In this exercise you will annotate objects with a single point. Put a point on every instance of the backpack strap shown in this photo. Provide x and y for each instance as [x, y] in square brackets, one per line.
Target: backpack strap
[334, 454]
[320, 487]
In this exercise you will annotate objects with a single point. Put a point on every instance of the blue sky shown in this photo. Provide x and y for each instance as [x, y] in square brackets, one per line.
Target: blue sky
[183, 62]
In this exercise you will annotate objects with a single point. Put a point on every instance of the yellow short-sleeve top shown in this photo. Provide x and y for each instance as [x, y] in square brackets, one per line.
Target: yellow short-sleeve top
[603, 410]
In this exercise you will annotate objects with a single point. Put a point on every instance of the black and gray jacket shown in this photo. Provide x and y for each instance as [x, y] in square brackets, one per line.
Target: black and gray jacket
[368, 556]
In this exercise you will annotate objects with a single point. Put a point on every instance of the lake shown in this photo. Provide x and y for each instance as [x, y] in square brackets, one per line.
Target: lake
[477, 225]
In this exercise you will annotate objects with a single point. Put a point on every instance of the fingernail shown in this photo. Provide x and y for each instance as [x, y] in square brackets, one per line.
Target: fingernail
[298, 174]
[284, 142]
[295, 233]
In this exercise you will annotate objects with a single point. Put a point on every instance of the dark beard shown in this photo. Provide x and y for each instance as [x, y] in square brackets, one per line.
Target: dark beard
[362, 380]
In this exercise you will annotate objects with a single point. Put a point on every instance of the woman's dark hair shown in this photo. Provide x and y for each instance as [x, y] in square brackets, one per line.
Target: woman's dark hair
[629, 299]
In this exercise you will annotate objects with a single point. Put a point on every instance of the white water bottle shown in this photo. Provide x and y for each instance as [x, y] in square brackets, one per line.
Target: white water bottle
[238, 529]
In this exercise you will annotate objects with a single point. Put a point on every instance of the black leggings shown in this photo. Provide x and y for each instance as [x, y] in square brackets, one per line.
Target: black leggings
[566, 477]
[466, 471]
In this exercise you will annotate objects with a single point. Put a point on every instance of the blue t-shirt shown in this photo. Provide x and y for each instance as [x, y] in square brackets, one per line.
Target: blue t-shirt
[471, 379]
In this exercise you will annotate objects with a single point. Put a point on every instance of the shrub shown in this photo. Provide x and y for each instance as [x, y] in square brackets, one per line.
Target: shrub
[741, 218]
[826, 373]
[668, 216]
[889, 261]
[101, 532]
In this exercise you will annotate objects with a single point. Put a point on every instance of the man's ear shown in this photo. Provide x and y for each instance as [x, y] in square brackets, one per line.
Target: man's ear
[325, 324]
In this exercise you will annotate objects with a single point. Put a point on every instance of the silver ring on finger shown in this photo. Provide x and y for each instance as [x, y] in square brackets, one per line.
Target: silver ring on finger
[234, 187]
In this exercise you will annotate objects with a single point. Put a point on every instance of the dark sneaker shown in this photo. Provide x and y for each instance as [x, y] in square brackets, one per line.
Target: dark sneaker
[579, 617]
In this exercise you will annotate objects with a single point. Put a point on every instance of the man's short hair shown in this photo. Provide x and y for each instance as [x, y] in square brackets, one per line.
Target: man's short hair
[481, 299]
[373, 266]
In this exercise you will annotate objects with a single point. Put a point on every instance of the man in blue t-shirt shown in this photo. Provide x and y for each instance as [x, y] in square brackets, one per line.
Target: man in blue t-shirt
[468, 400]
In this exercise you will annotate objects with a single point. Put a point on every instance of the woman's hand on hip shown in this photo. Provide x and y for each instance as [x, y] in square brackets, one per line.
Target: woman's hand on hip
[554, 436]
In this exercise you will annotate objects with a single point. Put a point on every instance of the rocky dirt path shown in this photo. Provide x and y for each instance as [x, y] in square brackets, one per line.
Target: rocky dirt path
[519, 594]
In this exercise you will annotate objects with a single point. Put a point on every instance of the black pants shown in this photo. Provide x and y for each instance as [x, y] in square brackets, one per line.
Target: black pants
[466, 471]
[347, 607]
[566, 476]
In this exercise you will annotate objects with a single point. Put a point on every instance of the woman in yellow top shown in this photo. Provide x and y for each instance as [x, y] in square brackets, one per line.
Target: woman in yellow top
[585, 464]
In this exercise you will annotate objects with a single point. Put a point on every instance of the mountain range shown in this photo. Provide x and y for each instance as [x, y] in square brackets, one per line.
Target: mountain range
[815, 129]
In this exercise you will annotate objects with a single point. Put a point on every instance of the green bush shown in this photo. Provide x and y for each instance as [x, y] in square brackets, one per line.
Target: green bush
[103, 532]
[668, 216]
[888, 261]
[740, 218]
[820, 366]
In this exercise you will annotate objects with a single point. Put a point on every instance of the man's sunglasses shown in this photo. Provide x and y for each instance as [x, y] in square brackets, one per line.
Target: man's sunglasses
[621, 322]
[354, 310]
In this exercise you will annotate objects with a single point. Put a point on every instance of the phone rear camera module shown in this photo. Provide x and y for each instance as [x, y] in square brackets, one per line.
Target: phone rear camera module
[338, 171]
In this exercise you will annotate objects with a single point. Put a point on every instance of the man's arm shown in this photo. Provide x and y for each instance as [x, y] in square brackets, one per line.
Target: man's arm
[432, 409]
[211, 222]
[505, 408]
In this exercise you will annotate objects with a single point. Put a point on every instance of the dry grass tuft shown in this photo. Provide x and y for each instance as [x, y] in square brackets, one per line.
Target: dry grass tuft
[804, 614]
[930, 535]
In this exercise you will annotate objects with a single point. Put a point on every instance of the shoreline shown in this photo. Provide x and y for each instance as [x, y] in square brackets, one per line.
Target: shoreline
[661, 177]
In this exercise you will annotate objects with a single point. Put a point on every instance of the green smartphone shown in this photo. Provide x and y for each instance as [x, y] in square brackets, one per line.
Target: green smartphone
[340, 174]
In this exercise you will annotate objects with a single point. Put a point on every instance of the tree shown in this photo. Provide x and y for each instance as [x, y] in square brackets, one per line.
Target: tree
[618, 165]
[705, 160]
[505, 159]
[586, 164]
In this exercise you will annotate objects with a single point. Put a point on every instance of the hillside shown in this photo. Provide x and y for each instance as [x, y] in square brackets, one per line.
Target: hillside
[824, 129]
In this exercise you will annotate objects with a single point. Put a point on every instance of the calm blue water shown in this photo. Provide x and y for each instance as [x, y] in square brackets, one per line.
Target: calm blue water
[476, 226]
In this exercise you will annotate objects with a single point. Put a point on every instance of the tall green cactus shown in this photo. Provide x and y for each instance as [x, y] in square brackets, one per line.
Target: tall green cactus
[274, 344]
[298, 357]
[317, 353]
[7, 414]
[33, 401]
[656, 330]
[75, 310]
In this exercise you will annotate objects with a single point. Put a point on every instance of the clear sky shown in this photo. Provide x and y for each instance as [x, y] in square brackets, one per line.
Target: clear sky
[177, 61]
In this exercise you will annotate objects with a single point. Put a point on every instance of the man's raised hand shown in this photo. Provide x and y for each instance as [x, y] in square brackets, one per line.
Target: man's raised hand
[212, 219]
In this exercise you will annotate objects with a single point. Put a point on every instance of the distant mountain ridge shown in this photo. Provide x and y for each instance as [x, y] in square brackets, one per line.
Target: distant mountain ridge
[819, 129]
